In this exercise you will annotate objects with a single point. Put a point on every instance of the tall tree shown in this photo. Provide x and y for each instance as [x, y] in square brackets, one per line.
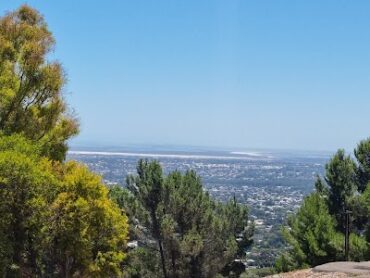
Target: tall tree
[56, 219]
[147, 186]
[142, 261]
[311, 235]
[31, 100]
[362, 153]
[199, 236]
[341, 180]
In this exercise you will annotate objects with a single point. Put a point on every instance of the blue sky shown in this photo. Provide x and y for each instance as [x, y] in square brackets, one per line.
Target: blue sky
[243, 74]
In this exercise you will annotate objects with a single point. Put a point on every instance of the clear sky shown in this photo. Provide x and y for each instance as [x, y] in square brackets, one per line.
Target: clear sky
[243, 74]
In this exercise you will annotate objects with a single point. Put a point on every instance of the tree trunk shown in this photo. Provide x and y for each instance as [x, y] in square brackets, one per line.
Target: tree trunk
[157, 233]
[162, 258]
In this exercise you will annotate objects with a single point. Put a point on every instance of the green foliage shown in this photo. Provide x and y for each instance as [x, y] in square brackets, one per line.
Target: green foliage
[142, 263]
[285, 263]
[131, 207]
[55, 219]
[19, 144]
[196, 236]
[147, 187]
[311, 236]
[88, 233]
[359, 213]
[256, 273]
[24, 188]
[362, 153]
[31, 100]
[365, 201]
[359, 248]
[321, 187]
[315, 233]
[341, 180]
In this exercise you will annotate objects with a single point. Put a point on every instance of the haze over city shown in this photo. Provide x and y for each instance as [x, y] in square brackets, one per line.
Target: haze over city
[184, 139]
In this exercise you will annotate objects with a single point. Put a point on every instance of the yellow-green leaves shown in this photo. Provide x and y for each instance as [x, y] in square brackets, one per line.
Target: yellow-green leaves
[24, 184]
[55, 218]
[88, 229]
[31, 100]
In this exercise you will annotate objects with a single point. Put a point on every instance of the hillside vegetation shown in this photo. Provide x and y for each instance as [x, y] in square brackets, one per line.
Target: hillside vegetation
[58, 219]
[315, 234]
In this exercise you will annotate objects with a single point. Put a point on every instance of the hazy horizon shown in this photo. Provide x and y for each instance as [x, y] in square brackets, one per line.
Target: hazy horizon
[173, 148]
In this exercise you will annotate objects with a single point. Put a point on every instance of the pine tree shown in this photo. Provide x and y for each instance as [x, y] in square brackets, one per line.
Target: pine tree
[362, 154]
[311, 236]
[147, 187]
[341, 180]
[315, 233]
[198, 235]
